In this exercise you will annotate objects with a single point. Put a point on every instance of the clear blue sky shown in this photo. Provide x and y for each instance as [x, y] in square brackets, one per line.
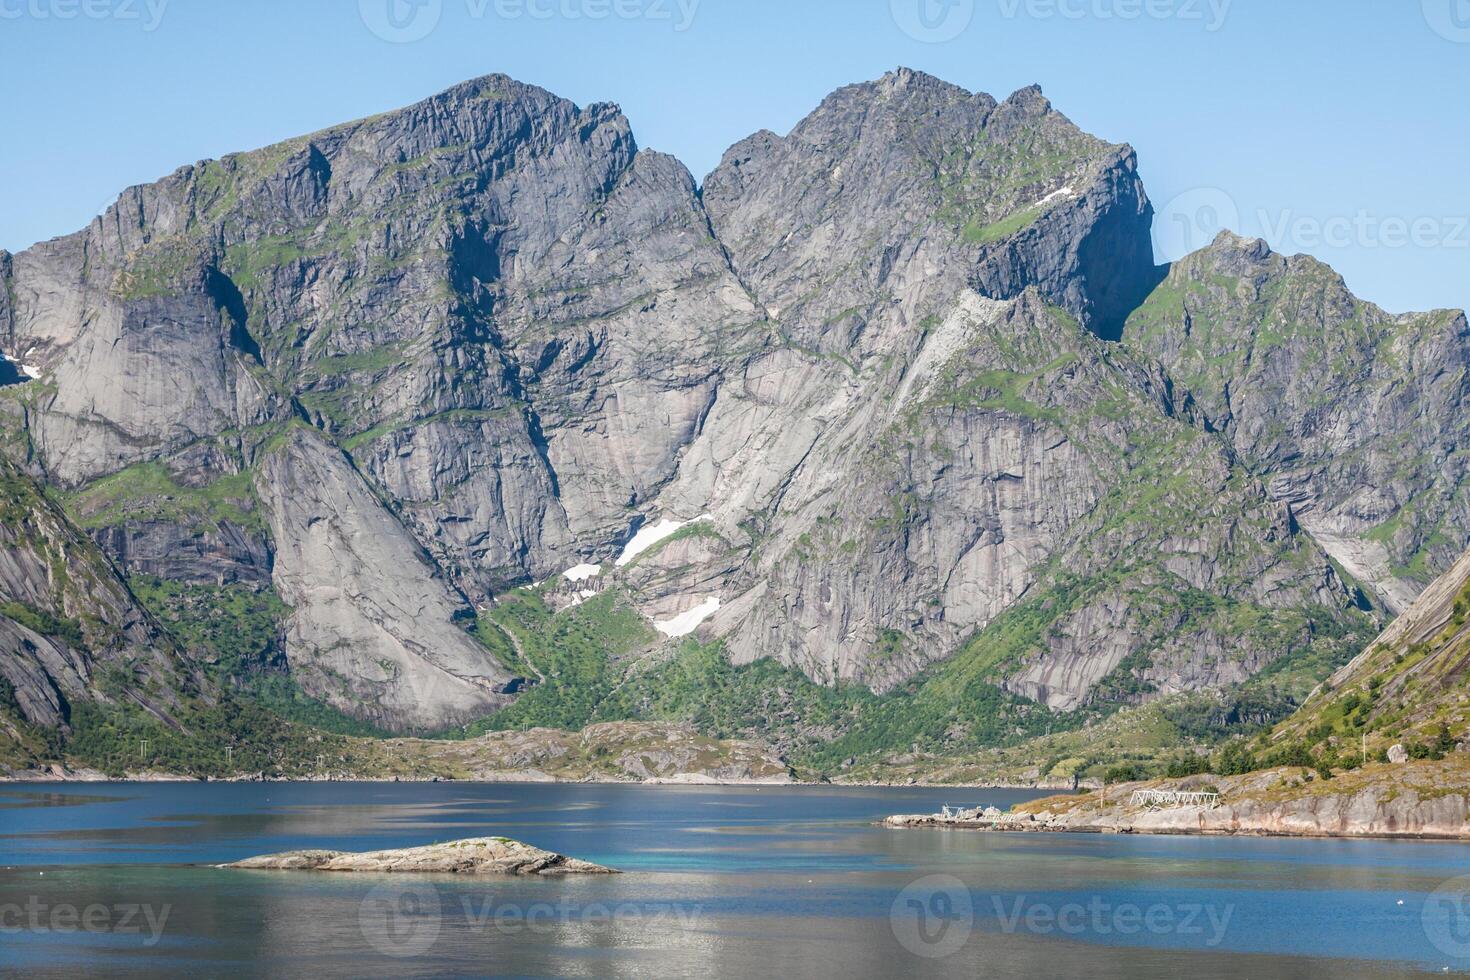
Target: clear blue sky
[1337, 127]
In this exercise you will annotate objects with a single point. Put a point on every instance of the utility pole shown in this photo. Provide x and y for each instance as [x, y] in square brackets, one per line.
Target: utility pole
[143, 749]
[229, 756]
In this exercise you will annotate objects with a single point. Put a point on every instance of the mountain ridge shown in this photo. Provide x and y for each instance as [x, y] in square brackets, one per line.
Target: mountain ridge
[881, 353]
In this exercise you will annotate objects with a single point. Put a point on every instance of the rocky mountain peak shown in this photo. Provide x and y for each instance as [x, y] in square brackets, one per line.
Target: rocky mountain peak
[1312, 385]
[1228, 243]
[1029, 100]
[907, 83]
[909, 189]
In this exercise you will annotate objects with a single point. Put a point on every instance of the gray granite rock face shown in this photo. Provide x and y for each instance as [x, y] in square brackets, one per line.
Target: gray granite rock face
[474, 342]
[895, 194]
[373, 628]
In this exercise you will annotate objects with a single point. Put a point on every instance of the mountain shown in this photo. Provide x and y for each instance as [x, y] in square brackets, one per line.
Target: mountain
[1355, 417]
[507, 421]
[1408, 687]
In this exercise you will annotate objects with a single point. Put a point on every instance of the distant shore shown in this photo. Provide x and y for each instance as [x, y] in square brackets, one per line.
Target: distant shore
[527, 777]
[1425, 800]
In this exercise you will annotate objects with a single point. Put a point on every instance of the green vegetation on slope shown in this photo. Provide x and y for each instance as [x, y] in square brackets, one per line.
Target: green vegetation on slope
[69, 631]
[235, 629]
[229, 737]
[570, 654]
[1410, 692]
[147, 491]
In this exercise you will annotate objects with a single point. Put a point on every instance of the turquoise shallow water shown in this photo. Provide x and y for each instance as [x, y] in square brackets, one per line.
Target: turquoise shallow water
[718, 881]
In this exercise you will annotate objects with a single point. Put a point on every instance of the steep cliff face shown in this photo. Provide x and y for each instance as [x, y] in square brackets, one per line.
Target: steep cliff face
[501, 308]
[853, 405]
[895, 194]
[373, 627]
[1015, 456]
[1356, 418]
[69, 629]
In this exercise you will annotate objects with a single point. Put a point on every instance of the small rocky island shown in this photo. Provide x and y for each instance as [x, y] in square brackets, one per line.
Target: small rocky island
[472, 856]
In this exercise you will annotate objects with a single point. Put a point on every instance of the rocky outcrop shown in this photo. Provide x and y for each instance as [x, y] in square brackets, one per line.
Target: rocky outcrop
[69, 629]
[472, 856]
[1426, 800]
[221, 553]
[894, 194]
[1356, 418]
[374, 629]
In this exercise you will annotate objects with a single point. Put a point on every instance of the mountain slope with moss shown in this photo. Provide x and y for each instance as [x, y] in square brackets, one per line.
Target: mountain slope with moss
[1354, 417]
[1408, 688]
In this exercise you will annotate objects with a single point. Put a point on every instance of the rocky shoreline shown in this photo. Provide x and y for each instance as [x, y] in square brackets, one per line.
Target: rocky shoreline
[58, 774]
[472, 856]
[526, 777]
[1418, 801]
[509, 776]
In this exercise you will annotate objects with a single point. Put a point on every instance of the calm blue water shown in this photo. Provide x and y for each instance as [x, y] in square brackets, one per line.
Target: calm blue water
[727, 881]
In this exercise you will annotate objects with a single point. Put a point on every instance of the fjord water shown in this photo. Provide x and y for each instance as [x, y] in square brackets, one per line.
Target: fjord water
[117, 879]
